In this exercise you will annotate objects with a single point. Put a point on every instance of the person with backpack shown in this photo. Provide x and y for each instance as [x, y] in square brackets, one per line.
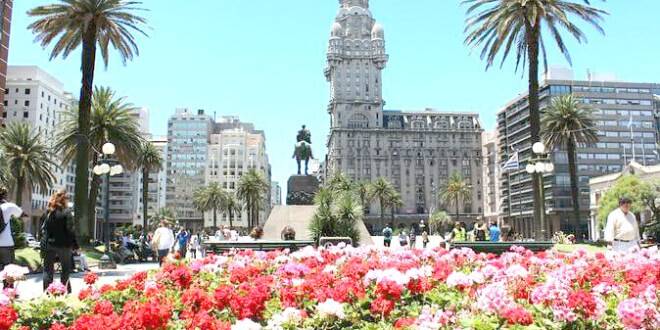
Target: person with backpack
[387, 235]
[58, 234]
[480, 232]
[413, 236]
[9, 210]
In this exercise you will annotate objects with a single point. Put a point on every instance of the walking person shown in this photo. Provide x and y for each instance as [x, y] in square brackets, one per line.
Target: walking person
[163, 241]
[9, 210]
[387, 235]
[458, 233]
[194, 245]
[425, 239]
[413, 237]
[622, 230]
[403, 239]
[182, 238]
[58, 233]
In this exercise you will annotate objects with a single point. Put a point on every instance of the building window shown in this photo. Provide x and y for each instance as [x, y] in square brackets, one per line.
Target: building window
[26, 114]
[27, 91]
[27, 103]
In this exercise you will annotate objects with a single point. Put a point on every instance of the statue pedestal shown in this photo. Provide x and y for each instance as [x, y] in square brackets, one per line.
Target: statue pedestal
[301, 190]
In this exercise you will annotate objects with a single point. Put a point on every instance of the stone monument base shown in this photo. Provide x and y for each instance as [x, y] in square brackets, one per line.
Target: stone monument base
[301, 190]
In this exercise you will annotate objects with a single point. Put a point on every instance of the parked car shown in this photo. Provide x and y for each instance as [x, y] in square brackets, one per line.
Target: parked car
[31, 241]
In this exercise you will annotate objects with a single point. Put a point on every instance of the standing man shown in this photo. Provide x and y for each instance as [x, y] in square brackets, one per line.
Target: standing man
[387, 235]
[622, 230]
[9, 210]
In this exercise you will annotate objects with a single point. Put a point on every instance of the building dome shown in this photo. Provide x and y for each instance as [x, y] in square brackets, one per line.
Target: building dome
[336, 30]
[377, 32]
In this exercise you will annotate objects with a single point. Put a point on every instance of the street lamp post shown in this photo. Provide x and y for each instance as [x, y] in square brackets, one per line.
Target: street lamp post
[107, 167]
[538, 166]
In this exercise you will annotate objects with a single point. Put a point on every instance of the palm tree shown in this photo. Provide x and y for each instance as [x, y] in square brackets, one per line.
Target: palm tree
[362, 190]
[381, 189]
[456, 190]
[495, 26]
[336, 216]
[233, 206]
[5, 175]
[339, 182]
[149, 159]
[251, 189]
[439, 221]
[210, 198]
[28, 158]
[89, 23]
[394, 201]
[567, 123]
[112, 119]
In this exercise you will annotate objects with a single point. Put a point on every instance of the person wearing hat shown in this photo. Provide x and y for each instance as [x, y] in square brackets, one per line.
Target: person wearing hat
[622, 230]
[9, 210]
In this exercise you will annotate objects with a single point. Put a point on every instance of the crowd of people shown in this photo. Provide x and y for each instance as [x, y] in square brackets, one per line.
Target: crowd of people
[408, 237]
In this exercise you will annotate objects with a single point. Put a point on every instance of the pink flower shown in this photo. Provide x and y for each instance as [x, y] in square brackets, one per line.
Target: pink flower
[56, 288]
[494, 298]
[13, 272]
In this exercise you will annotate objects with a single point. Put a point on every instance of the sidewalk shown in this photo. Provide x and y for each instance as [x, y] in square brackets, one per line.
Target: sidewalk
[32, 287]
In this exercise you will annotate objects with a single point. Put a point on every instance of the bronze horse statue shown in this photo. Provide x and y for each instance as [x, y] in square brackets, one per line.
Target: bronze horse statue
[303, 152]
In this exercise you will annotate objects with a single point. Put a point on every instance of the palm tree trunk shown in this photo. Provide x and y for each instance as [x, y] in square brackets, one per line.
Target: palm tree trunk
[231, 222]
[145, 199]
[94, 186]
[382, 211]
[81, 202]
[215, 218]
[575, 192]
[532, 38]
[20, 186]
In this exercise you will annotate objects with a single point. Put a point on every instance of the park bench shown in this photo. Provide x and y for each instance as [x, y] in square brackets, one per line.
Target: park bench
[501, 247]
[219, 247]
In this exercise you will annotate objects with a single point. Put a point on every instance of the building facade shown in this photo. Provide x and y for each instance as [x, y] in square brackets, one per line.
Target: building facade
[5, 29]
[491, 177]
[156, 185]
[188, 134]
[37, 98]
[624, 117]
[416, 151]
[275, 194]
[233, 151]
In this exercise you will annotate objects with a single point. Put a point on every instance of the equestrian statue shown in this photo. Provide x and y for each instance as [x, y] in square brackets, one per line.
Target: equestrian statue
[303, 148]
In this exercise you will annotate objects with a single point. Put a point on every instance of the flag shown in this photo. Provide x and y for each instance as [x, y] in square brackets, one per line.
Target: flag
[512, 163]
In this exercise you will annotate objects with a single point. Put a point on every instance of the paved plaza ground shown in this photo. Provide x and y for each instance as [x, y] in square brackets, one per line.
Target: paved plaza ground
[32, 287]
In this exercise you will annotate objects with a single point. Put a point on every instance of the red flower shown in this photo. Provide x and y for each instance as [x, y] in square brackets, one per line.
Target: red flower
[205, 321]
[222, 296]
[195, 300]
[8, 317]
[381, 306]
[518, 315]
[90, 278]
[104, 307]
[582, 301]
[58, 326]
[389, 290]
[404, 322]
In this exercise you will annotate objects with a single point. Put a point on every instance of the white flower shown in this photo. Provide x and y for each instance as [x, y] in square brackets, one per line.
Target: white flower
[4, 299]
[516, 271]
[331, 308]
[13, 272]
[389, 274]
[288, 316]
[330, 269]
[459, 279]
[246, 324]
[150, 285]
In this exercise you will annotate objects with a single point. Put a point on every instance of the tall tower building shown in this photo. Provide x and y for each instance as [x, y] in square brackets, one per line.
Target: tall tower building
[356, 57]
[415, 151]
[5, 27]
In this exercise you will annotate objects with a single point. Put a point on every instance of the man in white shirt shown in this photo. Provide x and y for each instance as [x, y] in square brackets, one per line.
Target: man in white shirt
[9, 210]
[622, 230]
[163, 241]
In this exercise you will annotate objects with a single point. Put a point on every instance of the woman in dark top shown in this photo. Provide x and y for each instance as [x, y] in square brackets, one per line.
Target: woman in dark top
[58, 232]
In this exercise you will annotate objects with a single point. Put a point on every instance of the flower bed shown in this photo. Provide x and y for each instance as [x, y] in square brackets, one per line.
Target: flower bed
[366, 288]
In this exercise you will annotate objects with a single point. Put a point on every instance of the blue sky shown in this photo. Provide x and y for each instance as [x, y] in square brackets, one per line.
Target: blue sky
[263, 60]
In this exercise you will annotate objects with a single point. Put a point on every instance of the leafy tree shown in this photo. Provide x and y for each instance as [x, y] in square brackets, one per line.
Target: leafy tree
[456, 191]
[149, 159]
[567, 123]
[210, 198]
[626, 186]
[90, 24]
[252, 189]
[382, 190]
[29, 160]
[495, 26]
[165, 214]
[439, 222]
[112, 120]
[649, 193]
[233, 206]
